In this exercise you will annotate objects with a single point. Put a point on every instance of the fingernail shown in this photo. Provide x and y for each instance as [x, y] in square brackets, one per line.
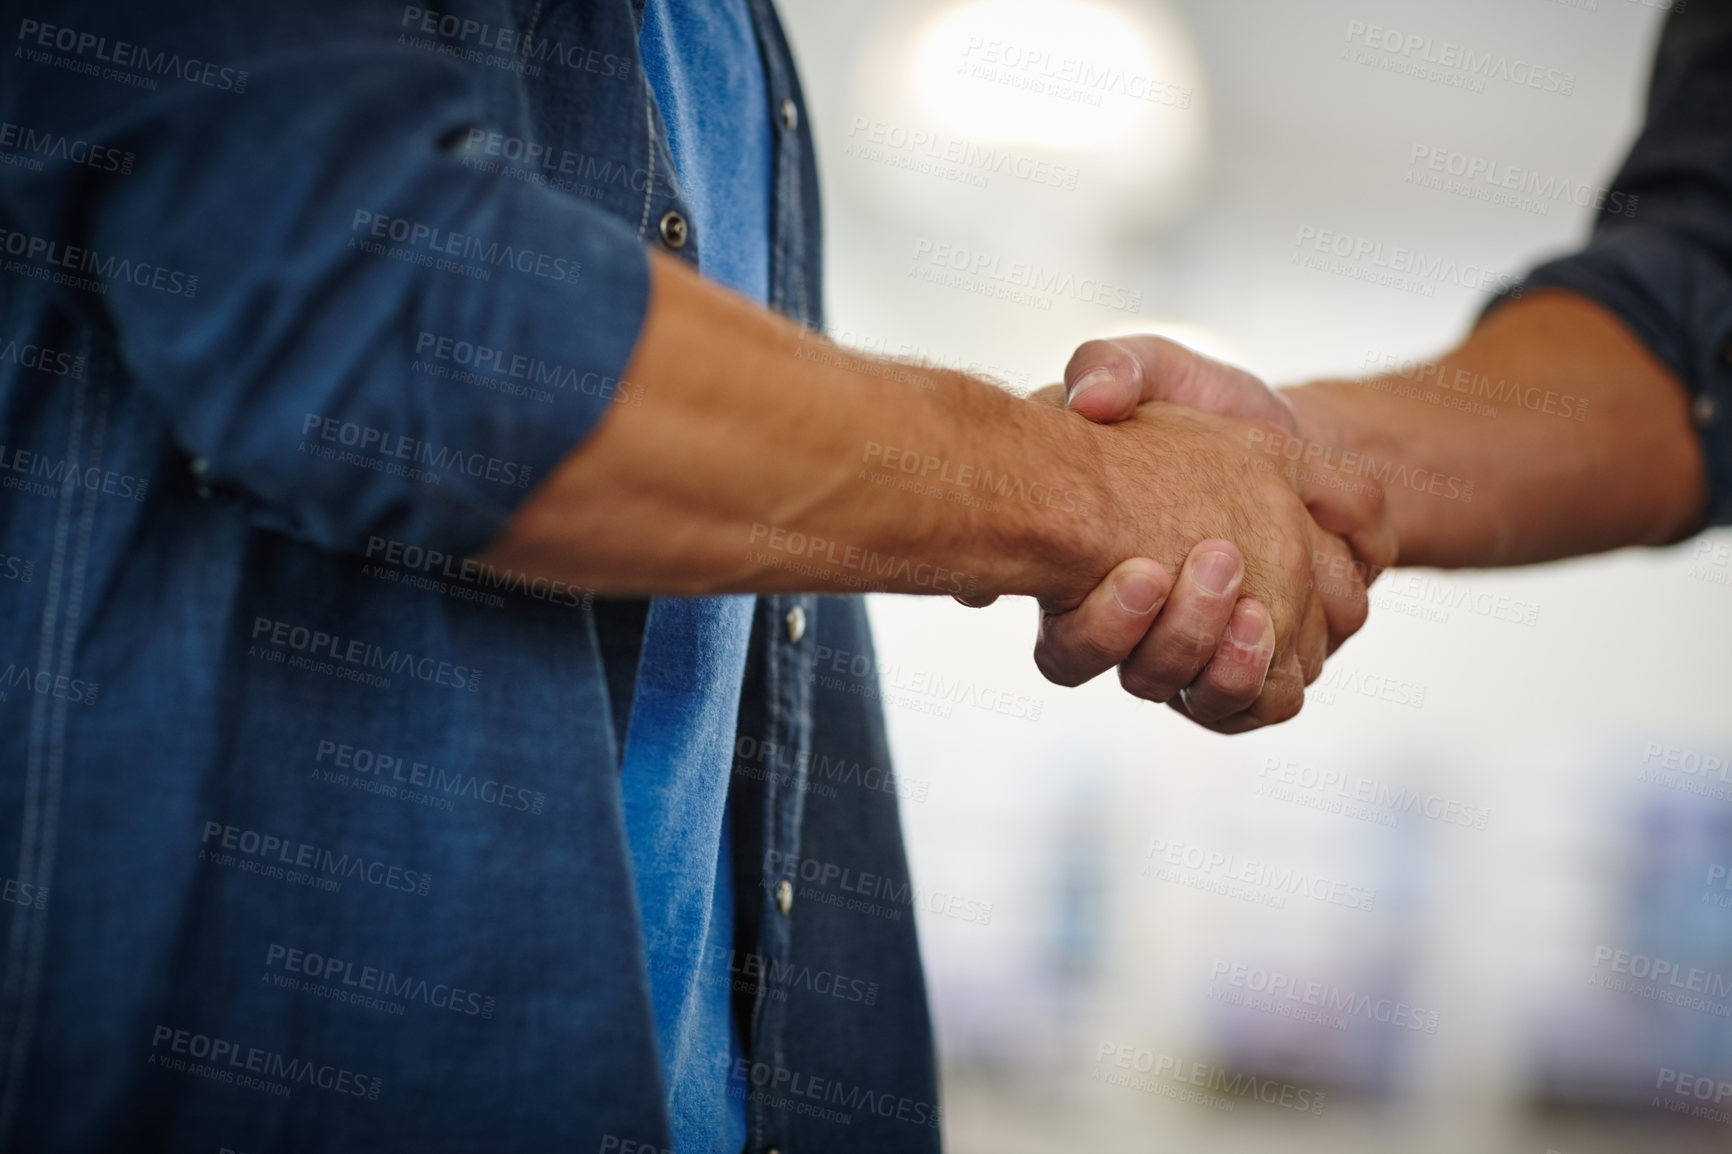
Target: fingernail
[1250, 631]
[1216, 572]
[1087, 381]
[1137, 594]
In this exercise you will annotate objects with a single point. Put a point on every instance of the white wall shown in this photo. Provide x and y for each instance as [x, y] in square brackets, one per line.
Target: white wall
[1543, 725]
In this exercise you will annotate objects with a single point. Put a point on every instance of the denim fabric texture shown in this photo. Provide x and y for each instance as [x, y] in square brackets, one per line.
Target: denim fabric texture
[313, 829]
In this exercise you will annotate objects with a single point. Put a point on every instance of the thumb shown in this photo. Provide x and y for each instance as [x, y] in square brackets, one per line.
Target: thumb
[1108, 379]
[1104, 382]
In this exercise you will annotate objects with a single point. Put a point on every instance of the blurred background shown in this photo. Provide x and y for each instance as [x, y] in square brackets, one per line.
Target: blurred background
[1475, 898]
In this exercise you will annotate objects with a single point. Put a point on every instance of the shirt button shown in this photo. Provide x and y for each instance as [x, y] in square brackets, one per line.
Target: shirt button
[790, 115]
[674, 230]
[1705, 410]
[784, 896]
[796, 621]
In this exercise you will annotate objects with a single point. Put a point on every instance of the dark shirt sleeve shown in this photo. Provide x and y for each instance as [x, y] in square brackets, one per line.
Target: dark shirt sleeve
[1661, 253]
[342, 323]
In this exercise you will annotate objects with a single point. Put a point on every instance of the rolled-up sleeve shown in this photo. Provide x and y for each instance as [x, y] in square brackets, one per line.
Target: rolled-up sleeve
[1660, 257]
[344, 321]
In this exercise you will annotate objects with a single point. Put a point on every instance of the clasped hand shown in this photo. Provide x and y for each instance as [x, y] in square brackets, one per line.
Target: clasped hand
[1242, 565]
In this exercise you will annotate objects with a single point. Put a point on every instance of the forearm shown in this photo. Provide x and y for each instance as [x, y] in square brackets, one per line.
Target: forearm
[763, 459]
[1500, 413]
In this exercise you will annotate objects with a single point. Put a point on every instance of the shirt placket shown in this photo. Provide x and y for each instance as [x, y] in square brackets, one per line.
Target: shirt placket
[791, 619]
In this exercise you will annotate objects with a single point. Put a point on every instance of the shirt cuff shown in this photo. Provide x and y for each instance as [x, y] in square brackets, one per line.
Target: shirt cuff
[1676, 298]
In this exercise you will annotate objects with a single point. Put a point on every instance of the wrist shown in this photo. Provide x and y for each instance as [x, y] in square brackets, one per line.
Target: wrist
[1056, 544]
[1357, 417]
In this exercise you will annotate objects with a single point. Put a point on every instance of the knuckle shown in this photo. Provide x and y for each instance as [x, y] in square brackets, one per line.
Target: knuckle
[1287, 679]
[1070, 650]
[1212, 698]
[1284, 501]
[1353, 608]
[1278, 704]
[1089, 651]
[1055, 668]
[1237, 683]
[1241, 721]
[1274, 493]
[1145, 684]
[1187, 647]
[1293, 554]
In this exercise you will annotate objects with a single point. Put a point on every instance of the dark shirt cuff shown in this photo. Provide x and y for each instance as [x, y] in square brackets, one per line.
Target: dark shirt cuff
[1676, 297]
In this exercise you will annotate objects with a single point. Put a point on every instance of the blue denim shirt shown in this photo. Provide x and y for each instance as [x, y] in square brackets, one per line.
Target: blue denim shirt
[312, 826]
[1661, 252]
[705, 70]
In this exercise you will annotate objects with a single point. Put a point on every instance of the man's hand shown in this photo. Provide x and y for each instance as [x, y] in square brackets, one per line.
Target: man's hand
[1240, 631]
[1106, 381]
[1209, 648]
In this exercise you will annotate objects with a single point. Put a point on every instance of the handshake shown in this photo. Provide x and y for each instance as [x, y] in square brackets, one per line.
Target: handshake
[1246, 557]
[1210, 538]
[1215, 539]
